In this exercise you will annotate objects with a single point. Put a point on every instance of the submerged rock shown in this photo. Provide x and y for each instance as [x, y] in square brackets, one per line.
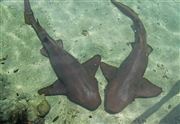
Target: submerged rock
[85, 32]
[43, 108]
[23, 111]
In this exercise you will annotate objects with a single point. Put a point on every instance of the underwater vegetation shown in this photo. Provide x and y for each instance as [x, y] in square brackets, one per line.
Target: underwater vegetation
[81, 26]
[24, 110]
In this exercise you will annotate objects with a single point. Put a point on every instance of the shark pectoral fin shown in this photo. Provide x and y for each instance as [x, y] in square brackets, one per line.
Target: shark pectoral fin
[60, 43]
[43, 52]
[108, 71]
[57, 88]
[146, 89]
[92, 65]
[149, 49]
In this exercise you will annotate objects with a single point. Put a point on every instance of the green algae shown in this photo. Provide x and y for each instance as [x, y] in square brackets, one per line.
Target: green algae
[108, 34]
[33, 107]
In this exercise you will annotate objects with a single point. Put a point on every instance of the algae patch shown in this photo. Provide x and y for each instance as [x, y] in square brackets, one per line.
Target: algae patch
[27, 110]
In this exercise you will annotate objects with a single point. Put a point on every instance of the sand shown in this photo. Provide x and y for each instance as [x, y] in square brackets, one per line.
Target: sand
[88, 28]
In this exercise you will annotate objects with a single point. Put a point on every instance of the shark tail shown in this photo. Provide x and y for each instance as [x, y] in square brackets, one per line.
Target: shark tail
[28, 13]
[126, 10]
[138, 26]
[30, 20]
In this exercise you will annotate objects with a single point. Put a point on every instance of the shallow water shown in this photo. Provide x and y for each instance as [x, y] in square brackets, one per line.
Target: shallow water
[108, 33]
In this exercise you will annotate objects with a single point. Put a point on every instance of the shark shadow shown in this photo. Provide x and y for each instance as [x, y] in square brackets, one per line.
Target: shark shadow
[76, 81]
[173, 117]
[127, 82]
[142, 118]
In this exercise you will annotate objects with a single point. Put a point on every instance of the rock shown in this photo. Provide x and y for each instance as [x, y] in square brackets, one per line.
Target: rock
[43, 108]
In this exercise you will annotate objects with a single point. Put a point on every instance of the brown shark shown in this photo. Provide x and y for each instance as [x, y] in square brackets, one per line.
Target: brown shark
[76, 81]
[127, 82]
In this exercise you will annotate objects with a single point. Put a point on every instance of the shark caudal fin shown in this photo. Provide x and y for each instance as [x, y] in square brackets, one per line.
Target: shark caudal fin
[108, 71]
[146, 89]
[28, 13]
[30, 20]
[138, 27]
[126, 10]
[92, 65]
[57, 88]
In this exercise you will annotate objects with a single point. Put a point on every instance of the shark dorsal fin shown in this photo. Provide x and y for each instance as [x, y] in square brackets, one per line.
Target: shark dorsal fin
[92, 65]
[149, 49]
[43, 51]
[108, 71]
[147, 89]
[57, 88]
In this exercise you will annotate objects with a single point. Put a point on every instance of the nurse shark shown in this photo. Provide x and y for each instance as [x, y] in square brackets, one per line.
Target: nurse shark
[127, 82]
[76, 81]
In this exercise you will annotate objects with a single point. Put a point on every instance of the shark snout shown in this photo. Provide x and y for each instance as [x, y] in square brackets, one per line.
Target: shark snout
[93, 102]
[115, 103]
[114, 107]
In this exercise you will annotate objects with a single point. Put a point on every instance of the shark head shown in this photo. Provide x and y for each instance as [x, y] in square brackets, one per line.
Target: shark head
[115, 102]
[90, 101]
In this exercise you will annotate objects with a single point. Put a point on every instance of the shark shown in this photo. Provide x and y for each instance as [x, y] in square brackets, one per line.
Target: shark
[75, 80]
[127, 82]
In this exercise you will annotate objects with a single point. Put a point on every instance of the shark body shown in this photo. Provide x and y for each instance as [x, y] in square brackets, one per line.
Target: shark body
[76, 81]
[127, 82]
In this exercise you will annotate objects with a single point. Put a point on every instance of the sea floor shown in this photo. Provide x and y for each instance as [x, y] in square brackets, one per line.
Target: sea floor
[88, 28]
